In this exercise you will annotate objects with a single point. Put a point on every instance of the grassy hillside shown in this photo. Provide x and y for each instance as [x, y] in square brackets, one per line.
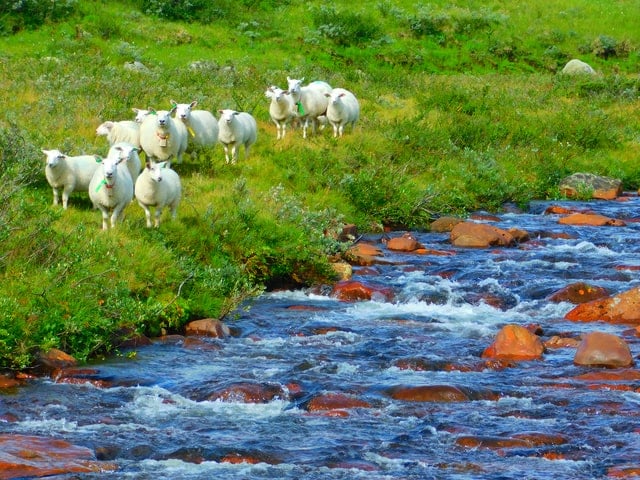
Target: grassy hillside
[463, 108]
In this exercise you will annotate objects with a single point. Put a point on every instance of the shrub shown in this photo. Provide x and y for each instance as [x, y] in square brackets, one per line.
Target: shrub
[344, 28]
[30, 14]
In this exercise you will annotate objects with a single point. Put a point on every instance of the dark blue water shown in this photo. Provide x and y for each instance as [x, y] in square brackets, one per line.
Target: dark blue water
[158, 416]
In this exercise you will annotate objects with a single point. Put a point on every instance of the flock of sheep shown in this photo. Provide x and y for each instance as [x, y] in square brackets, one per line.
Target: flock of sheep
[165, 135]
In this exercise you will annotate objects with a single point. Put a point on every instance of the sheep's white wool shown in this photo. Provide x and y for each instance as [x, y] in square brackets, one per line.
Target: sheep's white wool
[309, 100]
[201, 125]
[281, 109]
[343, 109]
[235, 129]
[162, 137]
[158, 186]
[68, 174]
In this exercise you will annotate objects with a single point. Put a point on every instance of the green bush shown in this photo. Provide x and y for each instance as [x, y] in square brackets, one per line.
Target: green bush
[30, 14]
[344, 28]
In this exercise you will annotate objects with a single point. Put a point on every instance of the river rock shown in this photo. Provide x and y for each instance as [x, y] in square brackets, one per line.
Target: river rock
[343, 270]
[602, 188]
[515, 342]
[246, 392]
[335, 401]
[405, 243]
[600, 349]
[208, 327]
[53, 360]
[444, 224]
[429, 393]
[354, 291]
[621, 308]
[591, 219]
[480, 235]
[579, 292]
[363, 254]
[25, 456]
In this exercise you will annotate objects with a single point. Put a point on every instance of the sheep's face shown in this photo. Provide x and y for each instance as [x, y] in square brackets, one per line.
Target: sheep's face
[155, 171]
[227, 115]
[164, 117]
[104, 128]
[126, 152]
[294, 85]
[141, 114]
[336, 98]
[183, 111]
[54, 157]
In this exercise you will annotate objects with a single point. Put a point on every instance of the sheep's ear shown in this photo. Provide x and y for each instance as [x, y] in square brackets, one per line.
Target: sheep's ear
[342, 95]
[173, 103]
[236, 113]
[327, 95]
[98, 158]
[173, 109]
[194, 103]
[301, 80]
[220, 112]
[152, 111]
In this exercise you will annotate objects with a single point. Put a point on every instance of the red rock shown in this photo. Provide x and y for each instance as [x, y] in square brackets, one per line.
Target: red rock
[579, 292]
[489, 442]
[249, 393]
[599, 349]
[536, 439]
[429, 393]
[515, 342]
[354, 291]
[622, 471]
[335, 401]
[558, 210]
[237, 458]
[484, 217]
[404, 244]
[444, 224]
[561, 342]
[519, 235]
[633, 268]
[621, 308]
[23, 456]
[609, 376]
[7, 382]
[590, 219]
[479, 235]
[207, 327]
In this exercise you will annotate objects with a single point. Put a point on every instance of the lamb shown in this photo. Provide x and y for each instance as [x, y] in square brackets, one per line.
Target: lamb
[201, 125]
[158, 186]
[71, 174]
[343, 109]
[129, 152]
[281, 109]
[310, 101]
[161, 137]
[576, 66]
[111, 188]
[141, 114]
[121, 131]
[235, 129]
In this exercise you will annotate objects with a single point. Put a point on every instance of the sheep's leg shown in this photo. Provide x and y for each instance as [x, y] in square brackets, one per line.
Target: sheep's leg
[158, 213]
[56, 196]
[247, 149]
[174, 210]
[147, 213]
[105, 217]
[341, 129]
[226, 152]
[66, 193]
[304, 128]
[235, 150]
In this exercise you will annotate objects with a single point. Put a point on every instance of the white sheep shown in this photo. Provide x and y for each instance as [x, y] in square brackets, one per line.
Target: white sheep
[120, 131]
[158, 186]
[201, 125]
[129, 152]
[235, 129]
[69, 173]
[163, 138]
[310, 101]
[111, 188]
[343, 109]
[576, 66]
[141, 114]
[281, 109]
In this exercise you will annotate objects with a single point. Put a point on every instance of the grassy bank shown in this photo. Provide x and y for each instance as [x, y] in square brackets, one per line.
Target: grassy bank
[463, 108]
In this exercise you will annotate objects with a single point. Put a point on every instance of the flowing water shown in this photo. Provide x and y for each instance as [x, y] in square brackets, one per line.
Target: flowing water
[155, 417]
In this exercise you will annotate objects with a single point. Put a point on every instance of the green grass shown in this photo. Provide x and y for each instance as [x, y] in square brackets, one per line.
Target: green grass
[463, 108]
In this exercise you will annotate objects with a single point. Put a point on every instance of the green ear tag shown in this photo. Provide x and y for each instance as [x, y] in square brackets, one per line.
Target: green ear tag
[300, 108]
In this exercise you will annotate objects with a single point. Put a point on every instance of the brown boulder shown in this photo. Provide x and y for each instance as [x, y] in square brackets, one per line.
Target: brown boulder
[590, 219]
[602, 188]
[405, 243]
[350, 291]
[335, 401]
[621, 308]
[363, 254]
[429, 393]
[53, 360]
[480, 235]
[246, 392]
[599, 349]
[207, 327]
[444, 224]
[579, 292]
[515, 342]
[24, 456]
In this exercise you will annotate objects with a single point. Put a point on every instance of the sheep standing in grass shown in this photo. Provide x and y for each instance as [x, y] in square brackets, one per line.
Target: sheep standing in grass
[128, 152]
[68, 173]
[235, 129]
[201, 125]
[310, 101]
[111, 188]
[122, 131]
[281, 109]
[163, 138]
[343, 109]
[577, 67]
[141, 114]
[158, 186]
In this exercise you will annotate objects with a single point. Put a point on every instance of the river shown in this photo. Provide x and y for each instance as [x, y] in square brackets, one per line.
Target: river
[157, 412]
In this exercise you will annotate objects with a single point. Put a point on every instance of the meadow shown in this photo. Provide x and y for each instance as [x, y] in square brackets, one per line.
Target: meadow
[463, 108]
